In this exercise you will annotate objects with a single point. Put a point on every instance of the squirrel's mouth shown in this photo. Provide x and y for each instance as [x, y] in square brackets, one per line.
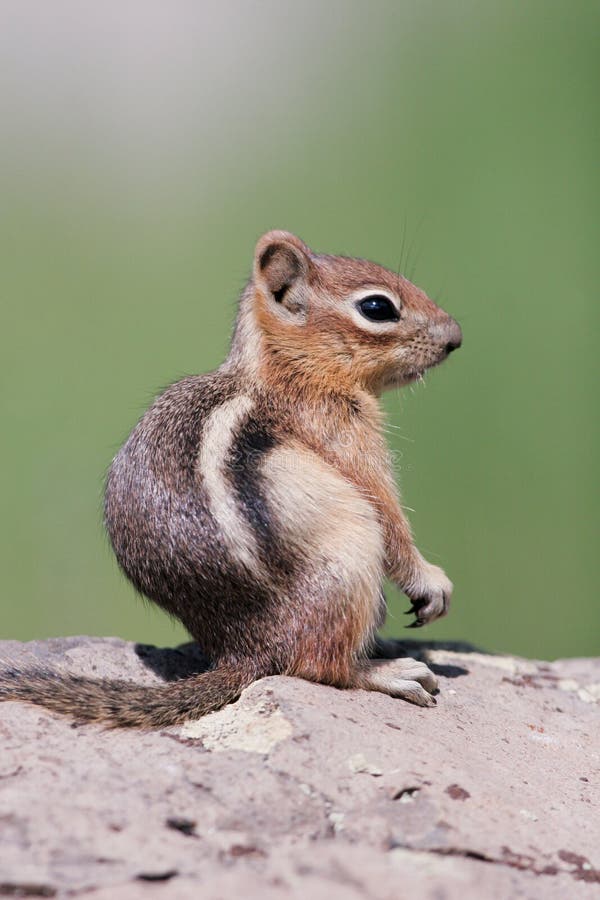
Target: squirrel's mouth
[407, 376]
[411, 374]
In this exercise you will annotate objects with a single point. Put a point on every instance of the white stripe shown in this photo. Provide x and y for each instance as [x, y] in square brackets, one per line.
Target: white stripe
[217, 439]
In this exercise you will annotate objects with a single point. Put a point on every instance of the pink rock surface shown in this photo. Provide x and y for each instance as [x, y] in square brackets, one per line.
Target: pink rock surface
[300, 790]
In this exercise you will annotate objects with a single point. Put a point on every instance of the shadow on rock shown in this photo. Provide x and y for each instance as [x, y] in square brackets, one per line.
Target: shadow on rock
[172, 663]
[394, 648]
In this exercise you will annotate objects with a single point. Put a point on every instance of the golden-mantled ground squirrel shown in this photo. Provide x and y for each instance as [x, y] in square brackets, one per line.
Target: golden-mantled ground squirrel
[257, 503]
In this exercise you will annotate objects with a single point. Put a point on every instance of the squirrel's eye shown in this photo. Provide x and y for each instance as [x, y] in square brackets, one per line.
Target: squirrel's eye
[378, 308]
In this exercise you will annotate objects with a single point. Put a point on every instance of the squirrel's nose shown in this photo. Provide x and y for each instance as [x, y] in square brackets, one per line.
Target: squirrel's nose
[453, 336]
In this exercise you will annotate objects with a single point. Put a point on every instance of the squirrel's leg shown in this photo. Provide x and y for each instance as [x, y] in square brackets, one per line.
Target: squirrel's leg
[426, 585]
[333, 604]
[325, 649]
[382, 648]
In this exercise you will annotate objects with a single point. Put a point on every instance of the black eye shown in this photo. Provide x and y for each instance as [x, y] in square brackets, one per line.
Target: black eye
[378, 308]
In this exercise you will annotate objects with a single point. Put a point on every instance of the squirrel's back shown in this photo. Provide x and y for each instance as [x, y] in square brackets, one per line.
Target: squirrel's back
[170, 510]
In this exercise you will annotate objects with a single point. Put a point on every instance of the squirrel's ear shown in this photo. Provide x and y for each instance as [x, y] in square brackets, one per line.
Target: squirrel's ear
[281, 267]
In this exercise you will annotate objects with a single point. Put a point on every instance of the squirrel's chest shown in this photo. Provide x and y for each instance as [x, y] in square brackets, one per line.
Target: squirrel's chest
[353, 444]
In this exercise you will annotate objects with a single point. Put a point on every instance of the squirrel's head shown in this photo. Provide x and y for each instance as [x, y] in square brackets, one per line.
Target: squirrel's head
[338, 320]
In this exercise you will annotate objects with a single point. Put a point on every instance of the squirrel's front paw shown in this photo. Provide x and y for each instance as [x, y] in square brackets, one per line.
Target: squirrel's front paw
[430, 595]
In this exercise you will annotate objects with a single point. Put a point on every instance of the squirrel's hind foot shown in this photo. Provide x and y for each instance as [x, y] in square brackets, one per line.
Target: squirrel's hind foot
[405, 678]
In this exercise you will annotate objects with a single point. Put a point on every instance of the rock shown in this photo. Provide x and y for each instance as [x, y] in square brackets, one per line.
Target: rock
[301, 790]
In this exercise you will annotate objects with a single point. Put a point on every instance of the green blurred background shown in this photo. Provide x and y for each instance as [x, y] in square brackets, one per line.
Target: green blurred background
[147, 145]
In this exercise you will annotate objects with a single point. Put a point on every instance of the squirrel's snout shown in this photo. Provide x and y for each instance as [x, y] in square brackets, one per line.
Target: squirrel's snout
[447, 334]
[455, 337]
[452, 335]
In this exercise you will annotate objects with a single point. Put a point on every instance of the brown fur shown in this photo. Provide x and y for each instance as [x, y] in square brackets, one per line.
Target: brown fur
[258, 505]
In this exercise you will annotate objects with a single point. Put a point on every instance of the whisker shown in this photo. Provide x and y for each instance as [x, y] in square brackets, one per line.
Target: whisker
[403, 246]
[410, 273]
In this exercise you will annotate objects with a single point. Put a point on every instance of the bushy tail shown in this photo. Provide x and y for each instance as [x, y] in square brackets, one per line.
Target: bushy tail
[122, 704]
